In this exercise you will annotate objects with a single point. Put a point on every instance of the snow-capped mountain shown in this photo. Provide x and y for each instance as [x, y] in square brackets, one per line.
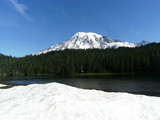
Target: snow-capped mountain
[83, 40]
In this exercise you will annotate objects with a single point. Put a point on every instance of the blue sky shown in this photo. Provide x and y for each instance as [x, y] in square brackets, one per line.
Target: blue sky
[28, 26]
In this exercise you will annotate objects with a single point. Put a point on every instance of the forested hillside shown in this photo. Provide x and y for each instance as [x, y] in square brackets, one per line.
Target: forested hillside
[144, 59]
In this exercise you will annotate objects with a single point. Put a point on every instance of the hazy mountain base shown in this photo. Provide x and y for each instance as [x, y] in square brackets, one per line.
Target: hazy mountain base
[144, 59]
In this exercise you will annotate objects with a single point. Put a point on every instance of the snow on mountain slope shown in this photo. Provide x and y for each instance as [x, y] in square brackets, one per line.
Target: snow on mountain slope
[82, 40]
[55, 101]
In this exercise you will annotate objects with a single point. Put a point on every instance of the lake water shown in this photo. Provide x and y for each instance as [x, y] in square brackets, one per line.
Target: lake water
[148, 85]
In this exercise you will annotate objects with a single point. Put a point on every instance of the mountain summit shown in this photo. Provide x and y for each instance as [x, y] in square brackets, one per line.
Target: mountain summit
[83, 40]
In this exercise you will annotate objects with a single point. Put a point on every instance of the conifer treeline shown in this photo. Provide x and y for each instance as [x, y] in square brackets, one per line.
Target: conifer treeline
[144, 59]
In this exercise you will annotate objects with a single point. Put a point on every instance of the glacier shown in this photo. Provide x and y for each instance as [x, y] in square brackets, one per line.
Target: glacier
[90, 40]
[54, 101]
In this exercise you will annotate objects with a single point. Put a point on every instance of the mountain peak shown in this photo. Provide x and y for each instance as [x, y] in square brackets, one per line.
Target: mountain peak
[144, 42]
[90, 35]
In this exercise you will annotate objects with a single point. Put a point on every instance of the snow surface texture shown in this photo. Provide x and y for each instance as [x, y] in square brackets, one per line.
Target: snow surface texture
[82, 40]
[56, 101]
[1, 85]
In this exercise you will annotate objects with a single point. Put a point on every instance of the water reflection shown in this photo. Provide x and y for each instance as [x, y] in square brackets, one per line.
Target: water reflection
[149, 85]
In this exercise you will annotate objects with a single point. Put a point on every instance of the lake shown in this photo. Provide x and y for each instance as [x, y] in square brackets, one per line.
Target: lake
[147, 85]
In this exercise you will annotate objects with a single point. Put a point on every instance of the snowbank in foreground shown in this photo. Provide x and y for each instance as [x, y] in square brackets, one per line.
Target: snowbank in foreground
[55, 101]
[1, 85]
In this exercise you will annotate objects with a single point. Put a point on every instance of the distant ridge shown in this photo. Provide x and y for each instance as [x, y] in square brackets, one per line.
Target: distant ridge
[90, 40]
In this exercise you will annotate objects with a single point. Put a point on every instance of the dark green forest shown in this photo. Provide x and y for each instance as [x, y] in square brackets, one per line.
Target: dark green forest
[144, 59]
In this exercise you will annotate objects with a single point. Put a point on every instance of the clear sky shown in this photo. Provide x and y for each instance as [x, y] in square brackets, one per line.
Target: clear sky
[28, 26]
